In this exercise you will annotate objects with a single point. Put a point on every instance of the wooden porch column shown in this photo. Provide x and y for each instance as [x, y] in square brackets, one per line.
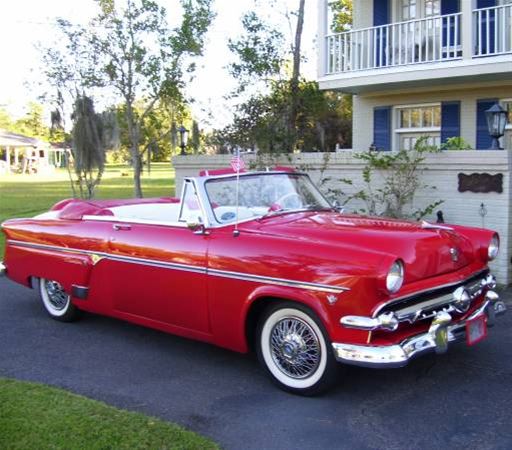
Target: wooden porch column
[8, 158]
[467, 29]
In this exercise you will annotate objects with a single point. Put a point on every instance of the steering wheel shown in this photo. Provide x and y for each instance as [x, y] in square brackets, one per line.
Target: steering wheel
[296, 202]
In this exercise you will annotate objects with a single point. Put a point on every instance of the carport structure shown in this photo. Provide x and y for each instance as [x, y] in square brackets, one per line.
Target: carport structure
[20, 145]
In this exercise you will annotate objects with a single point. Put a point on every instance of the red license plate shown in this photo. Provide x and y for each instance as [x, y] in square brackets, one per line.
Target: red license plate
[476, 330]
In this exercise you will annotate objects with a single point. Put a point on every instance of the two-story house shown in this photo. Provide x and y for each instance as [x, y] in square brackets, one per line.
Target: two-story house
[420, 67]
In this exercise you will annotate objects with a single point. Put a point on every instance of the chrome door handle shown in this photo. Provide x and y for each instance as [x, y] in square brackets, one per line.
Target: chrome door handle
[121, 227]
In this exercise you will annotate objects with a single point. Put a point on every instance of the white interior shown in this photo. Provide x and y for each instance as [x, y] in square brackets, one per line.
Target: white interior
[160, 212]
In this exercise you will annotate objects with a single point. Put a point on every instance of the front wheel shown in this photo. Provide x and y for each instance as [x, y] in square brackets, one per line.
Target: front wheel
[295, 349]
[57, 302]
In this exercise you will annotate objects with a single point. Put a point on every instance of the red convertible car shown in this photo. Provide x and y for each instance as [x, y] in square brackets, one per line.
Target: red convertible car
[261, 260]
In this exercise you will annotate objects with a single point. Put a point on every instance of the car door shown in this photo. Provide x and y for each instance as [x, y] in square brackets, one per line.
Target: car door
[159, 272]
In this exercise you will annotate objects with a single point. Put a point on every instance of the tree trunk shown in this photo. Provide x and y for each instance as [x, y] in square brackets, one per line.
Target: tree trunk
[294, 82]
[134, 150]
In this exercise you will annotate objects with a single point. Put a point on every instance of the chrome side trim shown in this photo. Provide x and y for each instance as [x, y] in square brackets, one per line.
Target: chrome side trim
[278, 281]
[156, 263]
[134, 220]
[414, 294]
[97, 256]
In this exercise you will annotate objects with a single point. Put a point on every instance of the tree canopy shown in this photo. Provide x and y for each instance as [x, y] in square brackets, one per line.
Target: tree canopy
[131, 51]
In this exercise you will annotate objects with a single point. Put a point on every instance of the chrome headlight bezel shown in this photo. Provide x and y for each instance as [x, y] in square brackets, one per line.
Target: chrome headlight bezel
[395, 276]
[493, 248]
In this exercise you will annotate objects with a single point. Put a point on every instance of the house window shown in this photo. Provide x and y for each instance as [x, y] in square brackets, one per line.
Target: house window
[418, 9]
[416, 121]
[432, 8]
[408, 9]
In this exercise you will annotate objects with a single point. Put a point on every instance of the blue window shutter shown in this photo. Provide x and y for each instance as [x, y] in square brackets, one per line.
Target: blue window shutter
[382, 127]
[483, 140]
[450, 7]
[492, 19]
[450, 120]
[380, 12]
[485, 3]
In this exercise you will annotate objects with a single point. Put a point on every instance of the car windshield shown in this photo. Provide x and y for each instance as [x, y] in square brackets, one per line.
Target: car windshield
[262, 194]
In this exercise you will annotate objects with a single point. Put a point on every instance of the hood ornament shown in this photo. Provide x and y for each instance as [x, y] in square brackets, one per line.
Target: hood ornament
[434, 226]
[454, 253]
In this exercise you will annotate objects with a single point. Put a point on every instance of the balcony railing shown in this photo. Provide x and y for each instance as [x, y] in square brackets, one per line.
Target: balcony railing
[417, 41]
[493, 30]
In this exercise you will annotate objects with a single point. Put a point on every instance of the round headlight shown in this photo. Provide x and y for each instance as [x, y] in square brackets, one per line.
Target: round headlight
[494, 247]
[395, 277]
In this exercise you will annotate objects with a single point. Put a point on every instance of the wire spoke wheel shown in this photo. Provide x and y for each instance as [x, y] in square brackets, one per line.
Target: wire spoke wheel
[295, 350]
[295, 347]
[56, 301]
[56, 295]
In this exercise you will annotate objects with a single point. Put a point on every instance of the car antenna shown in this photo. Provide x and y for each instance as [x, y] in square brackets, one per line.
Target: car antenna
[237, 163]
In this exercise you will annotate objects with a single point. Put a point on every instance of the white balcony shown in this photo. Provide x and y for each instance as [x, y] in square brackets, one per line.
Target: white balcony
[472, 45]
[414, 42]
[492, 30]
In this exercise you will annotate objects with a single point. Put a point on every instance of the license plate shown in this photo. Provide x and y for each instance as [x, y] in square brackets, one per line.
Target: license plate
[476, 330]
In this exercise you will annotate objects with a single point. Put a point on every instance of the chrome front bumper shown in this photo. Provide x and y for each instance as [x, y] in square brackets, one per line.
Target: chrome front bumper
[3, 269]
[436, 339]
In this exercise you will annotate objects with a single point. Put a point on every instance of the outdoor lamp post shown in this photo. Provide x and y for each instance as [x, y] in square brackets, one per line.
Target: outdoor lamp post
[183, 138]
[496, 122]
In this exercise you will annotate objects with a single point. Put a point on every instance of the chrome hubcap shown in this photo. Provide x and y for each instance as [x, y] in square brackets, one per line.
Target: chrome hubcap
[295, 347]
[56, 295]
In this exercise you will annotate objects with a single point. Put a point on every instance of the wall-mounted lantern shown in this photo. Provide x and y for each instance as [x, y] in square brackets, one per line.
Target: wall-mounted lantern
[496, 123]
[183, 138]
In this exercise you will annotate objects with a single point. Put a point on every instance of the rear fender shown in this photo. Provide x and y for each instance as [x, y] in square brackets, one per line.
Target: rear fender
[66, 268]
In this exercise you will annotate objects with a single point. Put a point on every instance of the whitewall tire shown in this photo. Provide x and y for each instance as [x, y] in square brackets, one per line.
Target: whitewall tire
[295, 349]
[56, 301]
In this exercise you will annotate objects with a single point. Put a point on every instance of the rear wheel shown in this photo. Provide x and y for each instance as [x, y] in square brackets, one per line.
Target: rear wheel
[56, 301]
[295, 349]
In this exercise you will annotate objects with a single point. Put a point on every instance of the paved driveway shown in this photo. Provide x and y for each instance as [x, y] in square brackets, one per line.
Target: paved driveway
[459, 400]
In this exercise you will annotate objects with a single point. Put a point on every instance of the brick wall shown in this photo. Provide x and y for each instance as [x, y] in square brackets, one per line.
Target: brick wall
[442, 169]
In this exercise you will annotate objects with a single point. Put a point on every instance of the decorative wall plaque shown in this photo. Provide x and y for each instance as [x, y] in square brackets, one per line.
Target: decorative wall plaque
[481, 183]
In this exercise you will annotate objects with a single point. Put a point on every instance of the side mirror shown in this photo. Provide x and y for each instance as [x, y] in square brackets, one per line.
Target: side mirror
[336, 205]
[197, 227]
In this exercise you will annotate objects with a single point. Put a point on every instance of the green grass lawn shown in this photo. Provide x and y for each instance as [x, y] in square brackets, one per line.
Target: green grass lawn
[28, 195]
[37, 416]
[34, 416]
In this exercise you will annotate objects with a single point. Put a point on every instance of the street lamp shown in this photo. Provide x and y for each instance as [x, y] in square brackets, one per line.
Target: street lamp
[183, 138]
[496, 122]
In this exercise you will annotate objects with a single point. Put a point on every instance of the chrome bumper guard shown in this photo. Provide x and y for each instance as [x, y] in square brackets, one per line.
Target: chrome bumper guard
[3, 269]
[435, 339]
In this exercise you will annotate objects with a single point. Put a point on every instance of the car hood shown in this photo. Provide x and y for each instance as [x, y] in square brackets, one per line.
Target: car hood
[427, 250]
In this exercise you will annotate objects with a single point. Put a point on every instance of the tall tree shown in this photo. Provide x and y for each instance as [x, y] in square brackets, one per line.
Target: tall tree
[88, 147]
[279, 120]
[294, 82]
[132, 51]
[32, 124]
[143, 59]
[341, 15]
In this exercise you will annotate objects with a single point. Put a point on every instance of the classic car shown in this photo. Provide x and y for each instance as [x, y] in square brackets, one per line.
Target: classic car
[262, 261]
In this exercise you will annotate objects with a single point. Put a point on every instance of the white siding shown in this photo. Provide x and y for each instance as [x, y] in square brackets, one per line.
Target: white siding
[362, 120]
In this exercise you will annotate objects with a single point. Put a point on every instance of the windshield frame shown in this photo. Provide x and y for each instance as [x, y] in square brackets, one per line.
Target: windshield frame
[214, 222]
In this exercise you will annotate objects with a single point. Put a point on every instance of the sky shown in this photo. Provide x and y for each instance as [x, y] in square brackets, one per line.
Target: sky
[25, 23]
